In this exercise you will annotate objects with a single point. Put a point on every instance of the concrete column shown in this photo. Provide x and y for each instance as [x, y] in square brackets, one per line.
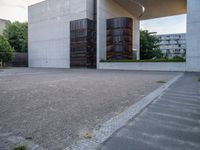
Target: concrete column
[98, 33]
[193, 35]
[136, 38]
[138, 41]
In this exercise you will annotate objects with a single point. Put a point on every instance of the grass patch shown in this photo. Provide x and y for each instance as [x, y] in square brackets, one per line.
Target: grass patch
[150, 60]
[4, 68]
[87, 136]
[162, 82]
[20, 147]
[199, 79]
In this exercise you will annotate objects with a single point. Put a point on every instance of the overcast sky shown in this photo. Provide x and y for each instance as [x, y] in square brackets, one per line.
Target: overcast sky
[17, 10]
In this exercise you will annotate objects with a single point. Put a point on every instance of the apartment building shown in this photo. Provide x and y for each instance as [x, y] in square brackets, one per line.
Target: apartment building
[2, 25]
[173, 45]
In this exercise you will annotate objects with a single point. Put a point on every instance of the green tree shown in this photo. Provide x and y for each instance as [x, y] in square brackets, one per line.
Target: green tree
[17, 35]
[6, 51]
[149, 47]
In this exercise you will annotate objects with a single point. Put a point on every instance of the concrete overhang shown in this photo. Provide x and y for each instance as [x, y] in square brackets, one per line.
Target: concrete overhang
[149, 9]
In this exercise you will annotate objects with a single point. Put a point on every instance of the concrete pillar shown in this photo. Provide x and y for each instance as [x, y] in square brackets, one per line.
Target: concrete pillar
[193, 35]
[98, 33]
[136, 38]
[138, 42]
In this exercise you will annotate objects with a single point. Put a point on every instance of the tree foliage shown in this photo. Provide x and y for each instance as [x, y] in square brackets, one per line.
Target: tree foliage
[6, 51]
[149, 47]
[17, 35]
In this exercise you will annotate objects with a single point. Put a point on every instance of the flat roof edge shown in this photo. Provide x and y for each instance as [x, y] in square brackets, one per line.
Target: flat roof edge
[39, 3]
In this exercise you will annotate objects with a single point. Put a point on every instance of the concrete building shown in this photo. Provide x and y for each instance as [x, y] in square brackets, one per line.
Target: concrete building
[49, 26]
[2, 25]
[173, 45]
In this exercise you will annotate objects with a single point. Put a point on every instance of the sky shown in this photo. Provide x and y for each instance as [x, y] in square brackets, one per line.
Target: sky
[17, 10]
[166, 25]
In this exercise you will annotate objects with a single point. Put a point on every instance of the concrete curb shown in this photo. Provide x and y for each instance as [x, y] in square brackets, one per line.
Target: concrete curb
[114, 124]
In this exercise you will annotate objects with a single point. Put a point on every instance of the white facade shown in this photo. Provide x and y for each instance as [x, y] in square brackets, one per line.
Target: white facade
[49, 31]
[49, 21]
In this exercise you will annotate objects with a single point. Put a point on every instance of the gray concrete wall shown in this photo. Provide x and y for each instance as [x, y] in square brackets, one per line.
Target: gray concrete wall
[145, 66]
[109, 9]
[193, 35]
[49, 31]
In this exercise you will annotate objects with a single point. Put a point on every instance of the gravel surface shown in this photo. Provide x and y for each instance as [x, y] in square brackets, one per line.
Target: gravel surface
[56, 107]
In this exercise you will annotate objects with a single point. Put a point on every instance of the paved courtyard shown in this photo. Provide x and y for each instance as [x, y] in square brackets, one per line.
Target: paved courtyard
[172, 122]
[53, 108]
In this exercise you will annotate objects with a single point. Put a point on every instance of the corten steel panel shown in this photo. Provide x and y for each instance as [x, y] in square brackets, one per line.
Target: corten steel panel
[119, 38]
[82, 43]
